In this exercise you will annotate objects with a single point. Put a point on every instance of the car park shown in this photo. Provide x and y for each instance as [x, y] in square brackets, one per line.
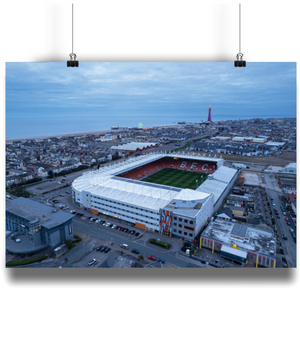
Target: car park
[124, 245]
[160, 260]
[135, 251]
[106, 250]
[91, 262]
[151, 257]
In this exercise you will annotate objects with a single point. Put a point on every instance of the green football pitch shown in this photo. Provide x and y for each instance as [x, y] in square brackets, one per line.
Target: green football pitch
[177, 178]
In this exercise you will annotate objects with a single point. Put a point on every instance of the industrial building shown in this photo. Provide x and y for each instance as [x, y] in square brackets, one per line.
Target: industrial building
[240, 243]
[287, 177]
[168, 210]
[38, 226]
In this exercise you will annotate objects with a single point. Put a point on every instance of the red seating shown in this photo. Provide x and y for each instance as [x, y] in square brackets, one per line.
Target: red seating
[180, 164]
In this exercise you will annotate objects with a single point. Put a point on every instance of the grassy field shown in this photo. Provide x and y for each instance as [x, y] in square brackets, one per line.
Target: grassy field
[177, 178]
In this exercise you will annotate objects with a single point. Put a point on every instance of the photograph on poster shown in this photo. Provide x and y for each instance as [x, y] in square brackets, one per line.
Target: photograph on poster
[151, 165]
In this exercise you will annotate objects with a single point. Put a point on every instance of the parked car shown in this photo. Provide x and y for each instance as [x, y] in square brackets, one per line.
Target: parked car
[160, 260]
[291, 230]
[17, 240]
[136, 234]
[68, 192]
[91, 262]
[286, 219]
[151, 257]
[72, 211]
[106, 250]
[278, 217]
[98, 248]
[187, 244]
[284, 213]
[135, 251]
[284, 261]
[61, 195]
[124, 245]
[102, 222]
[289, 223]
[284, 237]
[120, 228]
[102, 248]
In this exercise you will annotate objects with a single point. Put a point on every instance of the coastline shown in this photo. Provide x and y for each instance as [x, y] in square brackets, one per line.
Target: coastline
[9, 141]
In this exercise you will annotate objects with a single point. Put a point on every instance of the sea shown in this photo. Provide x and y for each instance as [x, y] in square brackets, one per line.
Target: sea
[18, 128]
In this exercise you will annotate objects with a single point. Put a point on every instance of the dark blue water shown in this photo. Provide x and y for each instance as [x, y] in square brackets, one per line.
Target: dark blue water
[38, 127]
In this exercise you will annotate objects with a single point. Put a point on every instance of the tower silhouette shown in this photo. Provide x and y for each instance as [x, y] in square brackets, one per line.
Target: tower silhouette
[209, 114]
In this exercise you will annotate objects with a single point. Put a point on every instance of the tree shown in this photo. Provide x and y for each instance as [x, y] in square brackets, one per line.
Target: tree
[68, 243]
[50, 174]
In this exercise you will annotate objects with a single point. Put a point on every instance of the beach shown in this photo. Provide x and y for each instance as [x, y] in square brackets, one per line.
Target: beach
[9, 141]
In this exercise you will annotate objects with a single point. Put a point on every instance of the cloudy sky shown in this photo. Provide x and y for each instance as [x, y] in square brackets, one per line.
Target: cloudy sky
[151, 89]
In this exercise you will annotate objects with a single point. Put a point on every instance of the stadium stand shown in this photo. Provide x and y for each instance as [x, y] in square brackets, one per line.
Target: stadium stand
[180, 164]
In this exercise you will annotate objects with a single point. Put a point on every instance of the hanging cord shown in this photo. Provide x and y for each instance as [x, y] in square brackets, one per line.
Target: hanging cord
[239, 56]
[72, 62]
[73, 28]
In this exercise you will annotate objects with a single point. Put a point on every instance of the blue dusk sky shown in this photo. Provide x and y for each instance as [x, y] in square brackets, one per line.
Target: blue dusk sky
[150, 90]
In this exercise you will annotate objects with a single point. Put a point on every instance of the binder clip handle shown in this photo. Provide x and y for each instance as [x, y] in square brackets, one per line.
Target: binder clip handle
[72, 62]
[239, 61]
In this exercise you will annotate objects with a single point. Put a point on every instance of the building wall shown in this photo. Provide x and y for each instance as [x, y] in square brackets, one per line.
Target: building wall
[253, 257]
[124, 211]
[181, 224]
[54, 238]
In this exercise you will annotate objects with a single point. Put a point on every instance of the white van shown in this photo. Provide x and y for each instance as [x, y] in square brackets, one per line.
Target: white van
[125, 246]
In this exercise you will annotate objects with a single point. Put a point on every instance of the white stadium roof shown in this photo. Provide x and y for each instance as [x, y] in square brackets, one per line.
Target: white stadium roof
[104, 183]
[224, 174]
[218, 182]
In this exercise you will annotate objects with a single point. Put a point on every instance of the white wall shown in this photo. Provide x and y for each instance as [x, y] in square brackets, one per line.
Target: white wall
[147, 30]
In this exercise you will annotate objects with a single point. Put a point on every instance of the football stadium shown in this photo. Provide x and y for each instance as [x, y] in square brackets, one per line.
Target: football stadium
[173, 194]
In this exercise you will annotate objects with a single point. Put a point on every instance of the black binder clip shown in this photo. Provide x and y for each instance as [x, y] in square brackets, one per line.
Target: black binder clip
[239, 62]
[73, 62]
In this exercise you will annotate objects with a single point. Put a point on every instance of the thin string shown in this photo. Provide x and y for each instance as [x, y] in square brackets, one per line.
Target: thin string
[72, 30]
[240, 50]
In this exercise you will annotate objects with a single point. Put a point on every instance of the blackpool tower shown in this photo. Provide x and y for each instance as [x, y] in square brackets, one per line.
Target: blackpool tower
[209, 113]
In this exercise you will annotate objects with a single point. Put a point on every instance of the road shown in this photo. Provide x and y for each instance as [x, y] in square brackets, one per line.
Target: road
[289, 245]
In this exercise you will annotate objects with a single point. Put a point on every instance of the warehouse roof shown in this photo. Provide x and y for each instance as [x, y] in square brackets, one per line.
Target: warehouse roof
[132, 146]
[31, 210]
[245, 237]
